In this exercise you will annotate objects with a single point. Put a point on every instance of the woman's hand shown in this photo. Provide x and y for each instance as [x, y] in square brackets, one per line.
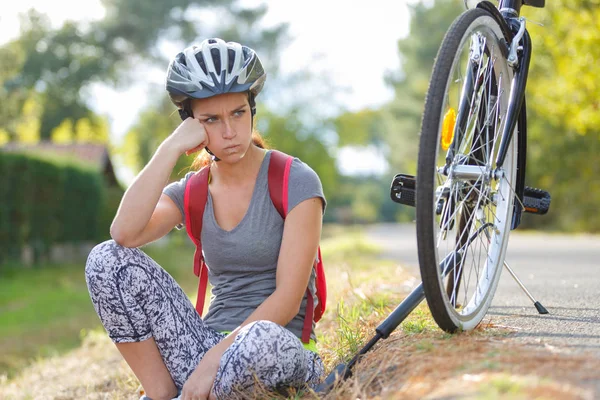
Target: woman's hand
[200, 383]
[189, 137]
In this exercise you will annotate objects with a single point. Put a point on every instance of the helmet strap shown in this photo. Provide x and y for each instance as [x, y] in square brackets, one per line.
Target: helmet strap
[252, 104]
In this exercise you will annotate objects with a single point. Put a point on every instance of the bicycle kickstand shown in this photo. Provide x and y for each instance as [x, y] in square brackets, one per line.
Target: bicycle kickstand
[541, 309]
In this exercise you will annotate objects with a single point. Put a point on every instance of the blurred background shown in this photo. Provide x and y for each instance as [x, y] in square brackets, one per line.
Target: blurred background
[83, 108]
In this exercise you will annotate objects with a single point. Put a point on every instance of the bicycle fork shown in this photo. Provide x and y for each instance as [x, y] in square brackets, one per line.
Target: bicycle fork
[517, 89]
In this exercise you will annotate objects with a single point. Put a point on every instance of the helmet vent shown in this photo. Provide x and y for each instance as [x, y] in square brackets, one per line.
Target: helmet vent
[180, 58]
[216, 56]
[231, 59]
[201, 62]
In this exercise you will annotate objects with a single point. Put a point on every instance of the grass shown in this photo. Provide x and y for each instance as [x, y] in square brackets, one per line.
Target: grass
[41, 313]
[418, 360]
[46, 311]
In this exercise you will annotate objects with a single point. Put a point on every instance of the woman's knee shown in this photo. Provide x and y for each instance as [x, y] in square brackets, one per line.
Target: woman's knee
[266, 343]
[265, 351]
[263, 332]
[106, 255]
[258, 327]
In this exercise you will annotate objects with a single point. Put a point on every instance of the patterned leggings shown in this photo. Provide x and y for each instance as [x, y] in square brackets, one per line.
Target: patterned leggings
[137, 299]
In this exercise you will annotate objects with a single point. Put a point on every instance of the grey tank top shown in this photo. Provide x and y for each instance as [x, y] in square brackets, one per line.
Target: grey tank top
[242, 262]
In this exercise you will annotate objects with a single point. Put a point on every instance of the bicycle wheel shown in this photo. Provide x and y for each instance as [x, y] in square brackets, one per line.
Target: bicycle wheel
[464, 202]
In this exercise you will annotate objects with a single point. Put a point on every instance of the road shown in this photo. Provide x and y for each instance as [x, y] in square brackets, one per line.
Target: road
[561, 271]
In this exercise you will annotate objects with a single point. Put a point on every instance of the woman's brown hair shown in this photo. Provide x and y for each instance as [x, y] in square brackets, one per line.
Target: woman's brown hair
[204, 159]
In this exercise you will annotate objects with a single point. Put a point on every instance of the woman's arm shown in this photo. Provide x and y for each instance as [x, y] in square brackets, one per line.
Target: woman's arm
[144, 215]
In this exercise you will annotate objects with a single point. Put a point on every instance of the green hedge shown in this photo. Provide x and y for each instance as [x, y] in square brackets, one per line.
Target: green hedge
[45, 200]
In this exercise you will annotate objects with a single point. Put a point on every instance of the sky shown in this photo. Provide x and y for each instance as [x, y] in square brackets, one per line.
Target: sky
[353, 41]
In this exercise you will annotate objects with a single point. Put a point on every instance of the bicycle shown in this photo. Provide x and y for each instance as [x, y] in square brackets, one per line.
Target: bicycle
[470, 190]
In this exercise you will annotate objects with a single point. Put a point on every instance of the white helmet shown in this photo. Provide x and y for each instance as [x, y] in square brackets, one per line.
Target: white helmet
[213, 68]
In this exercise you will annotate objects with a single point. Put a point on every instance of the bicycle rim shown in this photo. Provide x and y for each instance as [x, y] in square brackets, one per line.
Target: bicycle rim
[464, 202]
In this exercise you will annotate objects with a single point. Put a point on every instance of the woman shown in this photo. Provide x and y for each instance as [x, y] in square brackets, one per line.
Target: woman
[259, 264]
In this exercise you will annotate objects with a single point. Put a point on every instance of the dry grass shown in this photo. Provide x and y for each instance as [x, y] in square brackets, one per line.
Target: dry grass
[96, 370]
[473, 365]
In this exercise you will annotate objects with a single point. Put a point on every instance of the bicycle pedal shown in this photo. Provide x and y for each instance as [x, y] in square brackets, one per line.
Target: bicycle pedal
[403, 189]
[536, 201]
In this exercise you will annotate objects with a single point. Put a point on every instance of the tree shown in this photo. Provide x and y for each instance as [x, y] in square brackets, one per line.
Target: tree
[402, 116]
[12, 95]
[289, 134]
[153, 126]
[565, 60]
[562, 92]
[57, 66]
[394, 128]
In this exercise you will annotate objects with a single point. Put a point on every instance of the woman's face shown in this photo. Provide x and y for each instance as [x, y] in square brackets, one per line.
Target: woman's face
[228, 124]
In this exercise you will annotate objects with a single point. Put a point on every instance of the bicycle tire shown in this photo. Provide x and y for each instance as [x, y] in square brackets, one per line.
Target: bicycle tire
[454, 201]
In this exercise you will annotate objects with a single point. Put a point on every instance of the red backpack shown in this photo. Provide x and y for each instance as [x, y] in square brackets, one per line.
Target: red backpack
[279, 172]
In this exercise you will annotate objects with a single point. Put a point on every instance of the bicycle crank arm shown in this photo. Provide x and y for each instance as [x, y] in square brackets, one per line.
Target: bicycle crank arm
[404, 188]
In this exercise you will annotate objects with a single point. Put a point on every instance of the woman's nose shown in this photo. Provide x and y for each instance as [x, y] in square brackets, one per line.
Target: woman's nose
[228, 129]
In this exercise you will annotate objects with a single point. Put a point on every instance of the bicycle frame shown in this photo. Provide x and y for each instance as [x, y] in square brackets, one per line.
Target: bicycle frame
[510, 11]
[507, 16]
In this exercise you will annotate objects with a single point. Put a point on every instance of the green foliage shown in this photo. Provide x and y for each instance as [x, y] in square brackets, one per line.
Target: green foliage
[419, 321]
[402, 116]
[564, 135]
[46, 201]
[359, 128]
[290, 135]
[565, 79]
[141, 141]
[365, 199]
[395, 127]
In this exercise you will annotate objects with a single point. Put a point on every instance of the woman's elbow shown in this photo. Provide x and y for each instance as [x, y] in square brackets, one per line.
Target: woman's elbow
[120, 237]
[294, 309]
[288, 306]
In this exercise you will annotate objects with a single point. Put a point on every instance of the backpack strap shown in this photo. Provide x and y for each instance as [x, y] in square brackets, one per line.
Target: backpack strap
[279, 176]
[197, 189]
[321, 285]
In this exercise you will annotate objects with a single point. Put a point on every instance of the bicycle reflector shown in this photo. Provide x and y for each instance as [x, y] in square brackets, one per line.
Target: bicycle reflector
[448, 128]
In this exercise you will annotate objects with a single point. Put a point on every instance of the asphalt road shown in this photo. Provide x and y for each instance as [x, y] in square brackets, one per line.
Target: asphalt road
[560, 271]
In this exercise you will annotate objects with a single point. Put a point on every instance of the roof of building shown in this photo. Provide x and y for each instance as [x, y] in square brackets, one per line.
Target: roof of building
[95, 155]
